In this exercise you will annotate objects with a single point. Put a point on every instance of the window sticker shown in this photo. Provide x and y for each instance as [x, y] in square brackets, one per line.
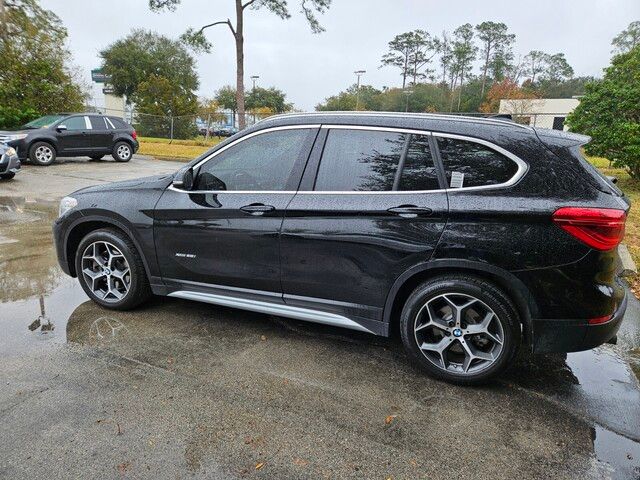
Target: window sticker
[457, 179]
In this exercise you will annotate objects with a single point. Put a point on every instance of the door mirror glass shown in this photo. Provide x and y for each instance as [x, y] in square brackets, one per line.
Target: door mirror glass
[61, 128]
[183, 179]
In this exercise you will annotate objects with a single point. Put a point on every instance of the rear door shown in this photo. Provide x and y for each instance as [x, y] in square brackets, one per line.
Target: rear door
[101, 135]
[75, 139]
[371, 206]
[222, 237]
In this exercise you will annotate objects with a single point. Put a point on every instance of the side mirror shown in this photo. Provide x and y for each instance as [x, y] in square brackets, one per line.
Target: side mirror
[61, 128]
[183, 179]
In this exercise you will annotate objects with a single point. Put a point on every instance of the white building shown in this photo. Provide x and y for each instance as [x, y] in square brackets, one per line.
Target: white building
[540, 112]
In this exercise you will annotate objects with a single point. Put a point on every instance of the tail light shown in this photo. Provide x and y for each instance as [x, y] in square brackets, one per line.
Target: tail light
[599, 228]
[134, 135]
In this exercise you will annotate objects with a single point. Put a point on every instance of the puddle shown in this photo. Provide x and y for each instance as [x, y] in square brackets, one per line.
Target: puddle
[37, 302]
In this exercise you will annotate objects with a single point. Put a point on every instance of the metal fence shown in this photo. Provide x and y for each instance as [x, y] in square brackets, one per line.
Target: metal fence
[220, 123]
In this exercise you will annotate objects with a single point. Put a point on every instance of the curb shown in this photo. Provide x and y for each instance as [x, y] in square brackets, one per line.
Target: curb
[628, 265]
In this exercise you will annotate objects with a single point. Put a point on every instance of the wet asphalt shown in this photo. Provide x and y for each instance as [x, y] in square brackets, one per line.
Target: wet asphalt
[180, 390]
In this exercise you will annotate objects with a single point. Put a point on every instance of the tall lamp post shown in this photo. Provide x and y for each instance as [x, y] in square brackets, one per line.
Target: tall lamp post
[358, 73]
[253, 79]
[407, 93]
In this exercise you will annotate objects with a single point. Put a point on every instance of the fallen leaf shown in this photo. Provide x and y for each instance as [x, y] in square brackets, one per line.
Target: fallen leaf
[248, 440]
[389, 419]
[123, 467]
[259, 465]
[300, 461]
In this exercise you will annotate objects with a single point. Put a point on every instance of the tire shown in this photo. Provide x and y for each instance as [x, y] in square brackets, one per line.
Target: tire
[444, 344]
[42, 153]
[96, 157]
[122, 152]
[7, 176]
[124, 292]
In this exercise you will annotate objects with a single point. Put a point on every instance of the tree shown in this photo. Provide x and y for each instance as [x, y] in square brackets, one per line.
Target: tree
[627, 39]
[609, 112]
[446, 55]
[557, 69]
[346, 100]
[35, 77]
[271, 99]
[410, 52]
[132, 60]
[159, 102]
[564, 89]
[199, 42]
[496, 47]
[535, 62]
[508, 90]
[227, 98]
[463, 54]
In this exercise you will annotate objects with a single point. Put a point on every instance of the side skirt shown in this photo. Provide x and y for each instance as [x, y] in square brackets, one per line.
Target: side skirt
[282, 310]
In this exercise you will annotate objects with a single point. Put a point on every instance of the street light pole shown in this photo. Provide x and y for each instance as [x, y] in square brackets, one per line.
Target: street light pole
[253, 79]
[358, 73]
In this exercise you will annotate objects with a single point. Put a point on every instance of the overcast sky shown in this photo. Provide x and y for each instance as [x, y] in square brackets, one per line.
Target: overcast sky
[309, 67]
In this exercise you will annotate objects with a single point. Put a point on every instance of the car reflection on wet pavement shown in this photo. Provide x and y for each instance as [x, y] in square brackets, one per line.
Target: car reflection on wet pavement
[181, 389]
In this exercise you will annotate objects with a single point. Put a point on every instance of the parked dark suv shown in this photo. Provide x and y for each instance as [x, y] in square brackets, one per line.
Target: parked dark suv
[469, 237]
[73, 135]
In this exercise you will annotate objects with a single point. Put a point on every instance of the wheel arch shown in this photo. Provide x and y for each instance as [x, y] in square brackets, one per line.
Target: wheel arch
[85, 225]
[51, 141]
[409, 280]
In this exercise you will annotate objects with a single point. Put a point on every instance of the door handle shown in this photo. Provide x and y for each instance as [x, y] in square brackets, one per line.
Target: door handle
[257, 209]
[410, 211]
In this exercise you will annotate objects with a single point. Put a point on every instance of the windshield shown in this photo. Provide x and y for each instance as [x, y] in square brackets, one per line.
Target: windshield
[43, 122]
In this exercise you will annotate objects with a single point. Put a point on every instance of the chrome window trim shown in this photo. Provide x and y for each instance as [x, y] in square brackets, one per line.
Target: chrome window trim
[523, 167]
[109, 123]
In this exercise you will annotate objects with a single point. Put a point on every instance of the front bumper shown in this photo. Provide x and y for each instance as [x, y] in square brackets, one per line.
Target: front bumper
[575, 335]
[9, 164]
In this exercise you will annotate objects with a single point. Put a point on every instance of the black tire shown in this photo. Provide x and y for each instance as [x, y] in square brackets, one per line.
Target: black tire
[7, 176]
[122, 152]
[139, 290]
[96, 157]
[460, 288]
[42, 153]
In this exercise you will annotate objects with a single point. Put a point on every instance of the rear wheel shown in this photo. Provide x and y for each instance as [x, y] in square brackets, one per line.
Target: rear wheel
[7, 176]
[122, 152]
[460, 329]
[110, 270]
[42, 153]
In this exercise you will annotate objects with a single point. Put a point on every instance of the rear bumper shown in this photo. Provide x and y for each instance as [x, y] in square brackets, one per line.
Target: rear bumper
[575, 335]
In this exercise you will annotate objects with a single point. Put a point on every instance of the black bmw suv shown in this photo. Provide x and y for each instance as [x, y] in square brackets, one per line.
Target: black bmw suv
[73, 135]
[470, 237]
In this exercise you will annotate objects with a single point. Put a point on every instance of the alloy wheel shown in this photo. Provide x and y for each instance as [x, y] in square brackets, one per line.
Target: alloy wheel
[123, 152]
[44, 154]
[106, 271]
[459, 333]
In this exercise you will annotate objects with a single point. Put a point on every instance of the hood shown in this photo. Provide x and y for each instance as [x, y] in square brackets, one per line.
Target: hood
[145, 183]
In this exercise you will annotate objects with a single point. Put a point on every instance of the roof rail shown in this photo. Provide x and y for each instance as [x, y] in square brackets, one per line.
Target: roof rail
[428, 116]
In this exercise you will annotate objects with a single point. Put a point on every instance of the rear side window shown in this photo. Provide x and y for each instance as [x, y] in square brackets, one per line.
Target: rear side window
[118, 123]
[470, 164]
[97, 123]
[359, 160]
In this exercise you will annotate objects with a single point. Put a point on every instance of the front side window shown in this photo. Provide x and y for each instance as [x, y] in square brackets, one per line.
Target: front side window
[75, 123]
[470, 164]
[359, 160]
[264, 162]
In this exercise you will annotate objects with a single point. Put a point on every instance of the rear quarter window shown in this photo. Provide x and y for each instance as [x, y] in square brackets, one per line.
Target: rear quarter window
[470, 164]
[119, 123]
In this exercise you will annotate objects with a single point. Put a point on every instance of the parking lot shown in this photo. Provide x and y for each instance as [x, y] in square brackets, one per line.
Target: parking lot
[179, 389]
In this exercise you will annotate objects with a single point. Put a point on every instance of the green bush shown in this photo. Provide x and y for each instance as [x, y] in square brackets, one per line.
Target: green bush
[609, 112]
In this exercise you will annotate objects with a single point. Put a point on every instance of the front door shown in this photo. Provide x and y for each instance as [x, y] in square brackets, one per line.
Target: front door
[75, 139]
[223, 235]
[375, 208]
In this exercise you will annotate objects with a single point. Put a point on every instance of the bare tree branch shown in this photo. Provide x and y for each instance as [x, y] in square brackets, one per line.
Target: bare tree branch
[248, 4]
[221, 22]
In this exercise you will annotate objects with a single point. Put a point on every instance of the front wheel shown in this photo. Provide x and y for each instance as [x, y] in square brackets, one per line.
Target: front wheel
[460, 329]
[42, 153]
[122, 152]
[110, 270]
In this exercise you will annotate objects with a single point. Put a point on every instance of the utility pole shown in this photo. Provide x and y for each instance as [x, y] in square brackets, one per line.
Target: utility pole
[358, 73]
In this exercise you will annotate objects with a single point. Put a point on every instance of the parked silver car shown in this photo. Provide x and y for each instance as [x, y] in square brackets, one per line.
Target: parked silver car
[9, 162]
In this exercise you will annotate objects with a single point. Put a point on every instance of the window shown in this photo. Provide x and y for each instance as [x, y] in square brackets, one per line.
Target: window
[97, 123]
[470, 164]
[359, 160]
[419, 172]
[263, 162]
[75, 123]
[118, 123]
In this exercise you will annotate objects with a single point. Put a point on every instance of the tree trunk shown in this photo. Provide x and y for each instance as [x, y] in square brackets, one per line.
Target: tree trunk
[484, 71]
[239, 36]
